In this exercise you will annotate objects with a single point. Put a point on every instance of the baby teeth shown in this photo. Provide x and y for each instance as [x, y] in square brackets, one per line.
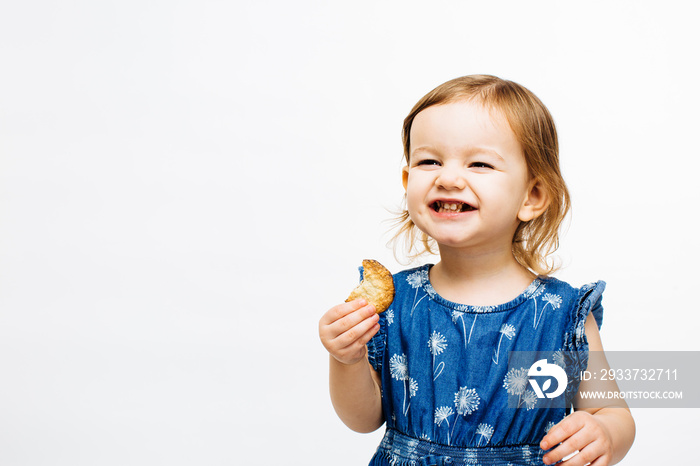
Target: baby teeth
[449, 206]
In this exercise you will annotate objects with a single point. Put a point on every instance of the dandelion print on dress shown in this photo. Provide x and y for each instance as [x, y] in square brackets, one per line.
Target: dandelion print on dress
[473, 311]
[441, 415]
[558, 359]
[536, 294]
[398, 368]
[508, 331]
[389, 317]
[416, 280]
[466, 401]
[460, 315]
[529, 400]
[553, 300]
[412, 387]
[437, 344]
[412, 390]
[548, 427]
[515, 381]
[484, 431]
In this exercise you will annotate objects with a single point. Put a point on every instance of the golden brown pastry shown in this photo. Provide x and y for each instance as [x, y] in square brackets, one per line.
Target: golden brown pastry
[377, 286]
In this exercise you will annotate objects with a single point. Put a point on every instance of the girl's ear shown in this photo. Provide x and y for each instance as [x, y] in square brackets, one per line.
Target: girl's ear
[536, 202]
[404, 176]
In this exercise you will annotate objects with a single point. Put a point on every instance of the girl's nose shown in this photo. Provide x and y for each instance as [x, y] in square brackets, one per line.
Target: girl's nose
[450, 179]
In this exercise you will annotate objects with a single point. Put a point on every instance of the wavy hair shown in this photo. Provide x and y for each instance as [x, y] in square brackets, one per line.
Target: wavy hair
[534, 129]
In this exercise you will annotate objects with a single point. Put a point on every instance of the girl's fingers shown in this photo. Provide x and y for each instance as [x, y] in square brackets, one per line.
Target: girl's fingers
[582, 444]
[590, 454]
[358, 332]
[566, 428]
[347, 320]
[341, 310]
[580, 432]
[349, 346]
[346, 328]
[565, 439]
[565, 450]
[601, 461]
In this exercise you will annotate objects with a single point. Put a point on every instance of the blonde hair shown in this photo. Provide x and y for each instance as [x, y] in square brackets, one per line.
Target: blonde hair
[534, 129]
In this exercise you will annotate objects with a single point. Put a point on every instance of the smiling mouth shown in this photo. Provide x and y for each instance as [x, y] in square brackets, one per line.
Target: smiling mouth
[448, 207]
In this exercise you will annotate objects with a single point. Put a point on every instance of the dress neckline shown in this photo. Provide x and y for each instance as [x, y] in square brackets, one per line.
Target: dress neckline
[534, 289]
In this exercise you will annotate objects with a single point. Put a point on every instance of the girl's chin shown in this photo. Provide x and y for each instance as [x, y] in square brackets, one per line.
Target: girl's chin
[469, 243]
[453, 242]
[451, 234]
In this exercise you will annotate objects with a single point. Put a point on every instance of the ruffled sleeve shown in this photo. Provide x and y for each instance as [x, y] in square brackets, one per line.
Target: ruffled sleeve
[377, 345]
[589, 301]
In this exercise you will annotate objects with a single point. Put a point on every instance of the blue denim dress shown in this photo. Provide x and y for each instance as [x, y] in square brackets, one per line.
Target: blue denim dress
[449, 394]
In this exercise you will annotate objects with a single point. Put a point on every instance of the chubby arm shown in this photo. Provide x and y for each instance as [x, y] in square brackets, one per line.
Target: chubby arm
[354, 386]
[602, 435]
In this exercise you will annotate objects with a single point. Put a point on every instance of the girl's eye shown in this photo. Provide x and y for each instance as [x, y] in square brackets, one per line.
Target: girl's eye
[481, 165]
[428, 162]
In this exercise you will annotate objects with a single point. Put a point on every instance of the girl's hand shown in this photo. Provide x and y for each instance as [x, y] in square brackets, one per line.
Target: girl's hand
[580, 431]
[346, 328]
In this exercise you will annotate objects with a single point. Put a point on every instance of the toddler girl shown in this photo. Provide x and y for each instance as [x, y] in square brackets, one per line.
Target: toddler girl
[483, 186]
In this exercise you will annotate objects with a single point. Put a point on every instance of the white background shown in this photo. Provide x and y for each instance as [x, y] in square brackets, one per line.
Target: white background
[186, 186]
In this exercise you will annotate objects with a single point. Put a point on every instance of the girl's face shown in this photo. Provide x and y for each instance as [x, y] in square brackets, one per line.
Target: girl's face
[467, 184]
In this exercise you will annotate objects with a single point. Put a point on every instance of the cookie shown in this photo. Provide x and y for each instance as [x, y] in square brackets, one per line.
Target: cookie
[377, 286]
